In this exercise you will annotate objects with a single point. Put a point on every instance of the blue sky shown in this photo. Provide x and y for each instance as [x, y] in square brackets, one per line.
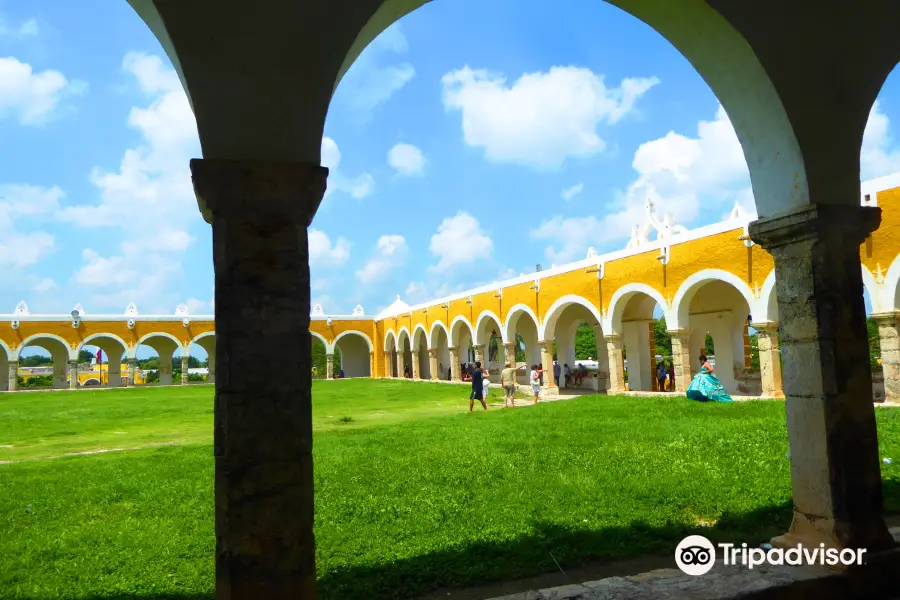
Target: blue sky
[470, 142]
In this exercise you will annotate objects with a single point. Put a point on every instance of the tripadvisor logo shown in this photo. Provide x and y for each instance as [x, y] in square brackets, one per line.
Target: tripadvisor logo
[696, 555]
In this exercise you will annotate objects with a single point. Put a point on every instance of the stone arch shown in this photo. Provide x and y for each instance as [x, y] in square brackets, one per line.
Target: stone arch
[721, 56]
[5, 354]
[402, 335]
[116, 350]
[91, 381]
[528, 329]
[691, 285]
[890, 293]
[356, 349]
[875, 289]
[556, 309]
[481, 323]
[415, 337]
[158, 334]
[322, 339]
[165, 345]
[56, 343]
[390, 341]
[459, 326]
[419, 347]
[103, 337]
[717, 304]
[207, 341]
[622, 297]
[60, 352]
[767, 306]
[512, 318]
[436, 327]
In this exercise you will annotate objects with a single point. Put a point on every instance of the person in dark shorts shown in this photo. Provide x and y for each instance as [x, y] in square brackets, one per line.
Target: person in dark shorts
[477, 387]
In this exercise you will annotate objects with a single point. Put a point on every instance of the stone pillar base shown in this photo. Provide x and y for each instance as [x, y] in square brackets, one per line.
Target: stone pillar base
[811, 531]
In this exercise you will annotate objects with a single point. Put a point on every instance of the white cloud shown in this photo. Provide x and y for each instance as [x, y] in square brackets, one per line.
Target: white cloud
[357, 187]
[103, 272]
[877, 157]
[198, 307]
[543, 118]
[459, 241]
[569, 193]
[370, 81]
[33, 98]
[25, 29]
[322, 253]
[22, 209]
[406, 159]
[29, 28]
[44, 285]
[21, 250]
[390, 252]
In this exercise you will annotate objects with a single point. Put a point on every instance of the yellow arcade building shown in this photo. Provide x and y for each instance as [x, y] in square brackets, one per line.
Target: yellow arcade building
[710, 280]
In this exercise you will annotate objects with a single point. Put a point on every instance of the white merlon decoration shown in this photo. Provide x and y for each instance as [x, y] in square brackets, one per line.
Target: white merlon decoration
[738, 213]
[22, 309]
[358, 311]
[131, 310]
[591, 253]
[317, 311]
[665, 229]
[181, 310]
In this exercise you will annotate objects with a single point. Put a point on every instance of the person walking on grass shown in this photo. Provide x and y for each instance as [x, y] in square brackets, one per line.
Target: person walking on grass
[508, 381]
[477, 388]
[536, 383]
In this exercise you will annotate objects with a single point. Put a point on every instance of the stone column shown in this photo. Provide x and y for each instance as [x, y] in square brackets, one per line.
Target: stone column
[13, 375]
[329, 366]
[769, 359]
[433, 364]
[211, 366]
[260, 212]
[616, 363]
[509, 350]
[889, 338]
[479, 353]
[454, 364]
[401, 364]
[371, 364]
[414, 357]
[60, 371]
[388, 364]
[73, 374]
[165, 368]
[547, 362]
[131, 365]
[835, 468]
[681, 358]
[185, 367]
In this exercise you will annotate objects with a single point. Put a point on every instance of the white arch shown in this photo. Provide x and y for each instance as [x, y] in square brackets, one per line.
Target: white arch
[682, 302]
[514, 310]
[111, 336]
[71, 354]
[489, 314]
[353, 332]
[201, 336]
[431, 333]
[766, 306]
[876, 290]
[391, 336]
[613, 322]
[7, 350]
[560, 305]
[400, 337]
[132, 353]
[321, 339]
[416, 329]
[889, 294]
[463, 320]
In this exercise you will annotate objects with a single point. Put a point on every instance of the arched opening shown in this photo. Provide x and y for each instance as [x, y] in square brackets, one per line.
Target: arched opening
[489, 343]
[391, 354]
[4, 368]
[421, 367]
[43, 361]
[523, 329]
[638, 314]
[462, 338]
[319, 354]
[716, 315]
[107, 355]
[203, 351]
[579, 349]
[404, 354]
[155, 355]
[354, 350]
[440, 345]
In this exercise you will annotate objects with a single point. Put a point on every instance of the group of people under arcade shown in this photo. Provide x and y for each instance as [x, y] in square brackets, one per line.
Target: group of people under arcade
[704, 387]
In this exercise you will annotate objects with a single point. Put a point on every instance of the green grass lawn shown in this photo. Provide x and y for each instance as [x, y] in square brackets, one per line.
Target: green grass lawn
[412, 494]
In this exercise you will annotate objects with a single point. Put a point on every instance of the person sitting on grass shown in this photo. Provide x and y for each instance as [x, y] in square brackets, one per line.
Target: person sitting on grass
[477, 388]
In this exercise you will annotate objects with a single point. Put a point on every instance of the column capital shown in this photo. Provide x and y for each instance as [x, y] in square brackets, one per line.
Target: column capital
[613, 338]
[509, 344]
[850, 224]
[432, 352]
[546, 345]
[329, 355]
[258, 191]
[678, 333]
[453, 349]
[765, 327]
[887, 318]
